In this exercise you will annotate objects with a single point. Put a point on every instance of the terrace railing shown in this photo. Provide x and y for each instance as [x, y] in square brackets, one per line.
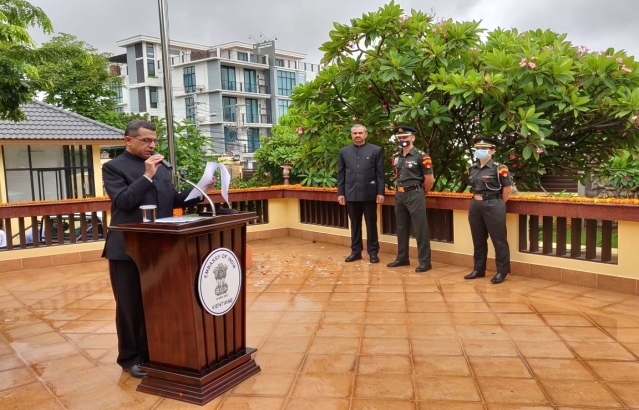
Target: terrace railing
[45, 224]
[572, 230]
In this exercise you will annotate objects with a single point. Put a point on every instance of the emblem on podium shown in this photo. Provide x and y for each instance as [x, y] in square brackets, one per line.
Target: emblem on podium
[219, 281]
[220, 275]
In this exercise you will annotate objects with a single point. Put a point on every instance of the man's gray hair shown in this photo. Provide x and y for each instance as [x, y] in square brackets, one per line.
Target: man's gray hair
[359, 126]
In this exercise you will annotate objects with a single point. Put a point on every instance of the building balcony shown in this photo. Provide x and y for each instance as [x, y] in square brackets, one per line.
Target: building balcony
[193, 56]
[251, 59]
[245, 87]
[560, 332]
[247, 119]
[154, 81]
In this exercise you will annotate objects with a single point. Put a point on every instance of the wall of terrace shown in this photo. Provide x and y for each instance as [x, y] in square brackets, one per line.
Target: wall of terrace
[577, 241]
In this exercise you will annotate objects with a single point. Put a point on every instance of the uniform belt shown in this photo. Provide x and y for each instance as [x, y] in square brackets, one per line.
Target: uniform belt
[485, 197]
[408, 188]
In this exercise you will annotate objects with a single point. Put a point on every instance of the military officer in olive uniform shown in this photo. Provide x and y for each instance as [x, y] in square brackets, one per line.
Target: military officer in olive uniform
[414, 178]
[490, 185]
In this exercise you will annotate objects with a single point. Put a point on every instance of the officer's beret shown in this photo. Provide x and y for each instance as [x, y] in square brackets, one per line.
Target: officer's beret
[404, 130]
[485, 142]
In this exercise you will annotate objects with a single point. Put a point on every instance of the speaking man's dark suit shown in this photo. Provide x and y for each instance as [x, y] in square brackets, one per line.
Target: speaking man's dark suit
[360, 178]
[128, 188]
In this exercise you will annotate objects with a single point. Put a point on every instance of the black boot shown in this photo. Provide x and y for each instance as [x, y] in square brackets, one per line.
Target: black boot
[353, 257]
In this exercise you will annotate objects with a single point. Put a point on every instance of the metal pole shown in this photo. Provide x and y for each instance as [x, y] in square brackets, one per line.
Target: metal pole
[168, 92]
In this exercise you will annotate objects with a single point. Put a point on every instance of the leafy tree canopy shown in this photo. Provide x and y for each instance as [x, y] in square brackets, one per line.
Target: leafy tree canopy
[555, 107]
[19, 79]
[283, 148]
[192, 148]
[79, 79]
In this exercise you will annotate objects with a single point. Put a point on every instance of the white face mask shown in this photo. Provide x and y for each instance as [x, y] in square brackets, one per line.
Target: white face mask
[481, 154]
[403, 143]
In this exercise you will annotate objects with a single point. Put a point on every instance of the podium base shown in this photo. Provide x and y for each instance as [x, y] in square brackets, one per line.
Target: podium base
[198, 388]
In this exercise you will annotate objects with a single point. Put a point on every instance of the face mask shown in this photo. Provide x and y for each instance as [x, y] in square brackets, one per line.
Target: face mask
[403, 143]
[481, 154]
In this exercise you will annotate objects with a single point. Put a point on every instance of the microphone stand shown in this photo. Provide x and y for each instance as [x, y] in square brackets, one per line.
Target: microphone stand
[201, 191]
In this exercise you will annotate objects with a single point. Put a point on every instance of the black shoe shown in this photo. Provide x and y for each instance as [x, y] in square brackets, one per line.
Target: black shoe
[475, 274]
[135, 371]
[499, 278]
[398, 263]
[353, 257]
[374, 259]
[423, 267]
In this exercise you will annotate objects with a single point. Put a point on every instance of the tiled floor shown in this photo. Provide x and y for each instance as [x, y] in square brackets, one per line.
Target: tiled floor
[333, 335]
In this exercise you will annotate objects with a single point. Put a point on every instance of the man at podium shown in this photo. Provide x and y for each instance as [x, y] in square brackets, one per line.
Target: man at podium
[135, 178]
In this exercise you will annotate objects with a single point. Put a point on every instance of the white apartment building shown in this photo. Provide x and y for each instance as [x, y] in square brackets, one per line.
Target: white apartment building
[234, 92]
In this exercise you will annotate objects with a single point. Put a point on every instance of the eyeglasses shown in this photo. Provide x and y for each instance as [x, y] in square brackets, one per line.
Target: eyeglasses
[146, 141]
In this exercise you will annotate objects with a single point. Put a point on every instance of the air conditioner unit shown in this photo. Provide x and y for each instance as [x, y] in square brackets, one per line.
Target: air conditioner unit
[200, 87]
[201, 118]
[260, 78]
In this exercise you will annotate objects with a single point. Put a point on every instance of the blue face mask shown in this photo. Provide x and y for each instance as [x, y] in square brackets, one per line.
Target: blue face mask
[481, 154]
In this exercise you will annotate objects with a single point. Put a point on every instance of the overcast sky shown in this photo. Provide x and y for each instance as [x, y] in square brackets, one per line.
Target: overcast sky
[303, 25]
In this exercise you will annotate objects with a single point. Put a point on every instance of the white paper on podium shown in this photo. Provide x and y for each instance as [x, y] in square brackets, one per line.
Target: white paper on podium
[207, 177]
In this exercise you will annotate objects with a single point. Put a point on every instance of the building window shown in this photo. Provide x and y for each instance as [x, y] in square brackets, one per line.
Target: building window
[282, 106]
[250, 81]
[190, 108]
[285, 82]
[253, 137]
[252, 113]
[45, 172]
[230, 140]
[153, 97]
[118, 94]
[229, 106]
[150, 67]
[119, 109]
[242, 56]
[189, 79]
[279, 62]
[150, 53]
[228, 78]
[302, 78]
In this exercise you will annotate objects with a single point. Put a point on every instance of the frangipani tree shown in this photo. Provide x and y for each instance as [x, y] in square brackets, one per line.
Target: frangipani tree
[556, 108]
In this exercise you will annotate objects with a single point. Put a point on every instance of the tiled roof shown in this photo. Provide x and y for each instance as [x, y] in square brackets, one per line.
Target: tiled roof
[46, 122]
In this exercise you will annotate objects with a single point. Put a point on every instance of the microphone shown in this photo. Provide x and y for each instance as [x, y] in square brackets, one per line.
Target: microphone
[166, 163]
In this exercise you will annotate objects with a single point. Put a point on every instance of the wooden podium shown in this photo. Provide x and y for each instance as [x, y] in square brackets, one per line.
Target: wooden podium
[194, 356]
